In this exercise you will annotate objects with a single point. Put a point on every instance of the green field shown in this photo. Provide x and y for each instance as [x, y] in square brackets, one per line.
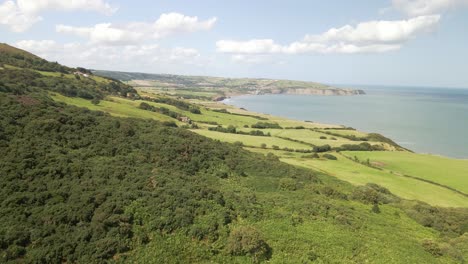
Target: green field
[284, 122]
[347, 132]
[252, 140]
[114, 106]
[396, 164]
[359, 174]
[313, 137]
[449, 172]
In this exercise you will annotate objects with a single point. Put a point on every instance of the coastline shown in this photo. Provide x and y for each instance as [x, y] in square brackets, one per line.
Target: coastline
[228, 101]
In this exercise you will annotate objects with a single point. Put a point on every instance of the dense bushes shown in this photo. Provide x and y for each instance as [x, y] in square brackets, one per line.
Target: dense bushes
[81, 186]
[373, 194]
[360, 147]
[323, 148]
[23, 81]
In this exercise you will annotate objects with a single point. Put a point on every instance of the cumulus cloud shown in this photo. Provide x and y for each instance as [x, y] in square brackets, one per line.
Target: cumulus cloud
[366, 37]
[20, 15]
[171, 23]
[427, 7]
[16, 20]
[37, 6]
[165, 25]
[110, 57]
[377, 32]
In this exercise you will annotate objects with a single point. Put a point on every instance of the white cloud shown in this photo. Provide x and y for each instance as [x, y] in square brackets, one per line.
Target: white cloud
[37, 6]
[171, 23]
[131, 57]
[39, 48]
[20, 15]
[427, 7]
[103, 33]
[12, 17]
[378, 31]
[112, 34]
[366, 37]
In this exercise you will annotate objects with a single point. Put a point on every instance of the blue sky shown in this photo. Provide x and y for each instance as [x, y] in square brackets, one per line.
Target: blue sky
[389, 42]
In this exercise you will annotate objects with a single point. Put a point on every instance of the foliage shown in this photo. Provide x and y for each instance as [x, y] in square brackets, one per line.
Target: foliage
[177, 103]
[248, 241]
[364, 146]
[20, 81]
[329, 156]
[80, 186]
[323, 148]
[19, 58]
[373, 194]
[264, 125]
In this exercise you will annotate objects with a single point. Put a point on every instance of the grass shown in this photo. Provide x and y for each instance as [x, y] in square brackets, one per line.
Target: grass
[346, 132]
[388, 237]
[116, 107]
[449, 172]
[252, 140]
[309, 136]
[358, 174]
[422, 166]
[284, 122]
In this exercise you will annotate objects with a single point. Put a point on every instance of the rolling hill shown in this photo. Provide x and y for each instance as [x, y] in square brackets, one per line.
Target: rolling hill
[93, 171]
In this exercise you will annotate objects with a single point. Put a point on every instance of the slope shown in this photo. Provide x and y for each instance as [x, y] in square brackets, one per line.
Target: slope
[82, 186]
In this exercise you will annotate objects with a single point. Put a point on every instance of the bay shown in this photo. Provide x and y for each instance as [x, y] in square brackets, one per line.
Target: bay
[425, 120]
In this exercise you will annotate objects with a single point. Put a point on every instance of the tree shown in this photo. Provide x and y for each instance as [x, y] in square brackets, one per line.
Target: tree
[375, 208]
[248, 241]
[95, 101]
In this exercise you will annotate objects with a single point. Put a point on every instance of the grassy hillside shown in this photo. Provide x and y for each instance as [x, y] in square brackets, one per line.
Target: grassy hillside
[19, 58]
[124, 185]
[449, 172]
[85, 187]
[360, 174]
[297, 137]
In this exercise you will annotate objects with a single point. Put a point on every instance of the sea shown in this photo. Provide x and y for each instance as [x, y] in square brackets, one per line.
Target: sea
[425, 120]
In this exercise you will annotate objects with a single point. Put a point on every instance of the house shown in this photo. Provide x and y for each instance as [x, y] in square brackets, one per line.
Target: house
[185, 119]
[82, 74]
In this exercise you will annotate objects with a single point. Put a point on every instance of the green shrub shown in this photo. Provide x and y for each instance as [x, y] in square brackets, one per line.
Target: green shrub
[288, 184]
[323, 148]
[375, 208]
[248, 241]
[263, 125]
[329, 156]
[432, 247]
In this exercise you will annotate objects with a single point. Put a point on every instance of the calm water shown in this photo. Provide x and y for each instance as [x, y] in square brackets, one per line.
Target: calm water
[426, 120]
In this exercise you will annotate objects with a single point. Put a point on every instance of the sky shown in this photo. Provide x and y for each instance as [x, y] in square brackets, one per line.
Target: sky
[379, 42]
